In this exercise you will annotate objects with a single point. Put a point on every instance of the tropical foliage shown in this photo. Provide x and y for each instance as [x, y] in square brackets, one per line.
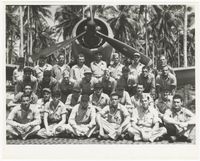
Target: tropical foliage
[152, 29]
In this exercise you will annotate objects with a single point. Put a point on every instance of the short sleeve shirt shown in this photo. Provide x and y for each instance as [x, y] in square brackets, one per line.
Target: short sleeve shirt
[98, 68]
[136, 69]
[58, 71]
[148, 82]
[115, 115]
[88, 87]
[22, 116]
[101, 102]
[40, 70]
[55, 113]
[77, 73]
[116, 70]
[108, 85]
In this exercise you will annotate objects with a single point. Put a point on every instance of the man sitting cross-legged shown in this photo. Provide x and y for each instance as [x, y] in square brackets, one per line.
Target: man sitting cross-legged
[145, 125]
[113, 120]
[82, 119]
[55, 115]
[179, 121]
[23, 120]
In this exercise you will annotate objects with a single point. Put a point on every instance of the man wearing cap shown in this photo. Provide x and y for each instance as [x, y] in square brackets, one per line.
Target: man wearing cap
[18, 72]
[27, 78]
[116, 68]
[136, 66]
[28, 92]
[41, 67]
[98, 66]
[46, 97]
[145, 123]
[73, 99]
[113, 120]
[55, 116]
[47, 81]
[23, 120]
[147, 79]
[60, 68]
[166, 81]
[99, 99]
[82, 119]
[109, 84]
[179, 121]
[87, 83]
[77, 71]
[128, 81]
[65, 85]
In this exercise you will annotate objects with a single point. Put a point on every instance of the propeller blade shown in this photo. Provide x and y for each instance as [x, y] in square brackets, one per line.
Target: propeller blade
[52, 49]
[125, 49]
[91, 14]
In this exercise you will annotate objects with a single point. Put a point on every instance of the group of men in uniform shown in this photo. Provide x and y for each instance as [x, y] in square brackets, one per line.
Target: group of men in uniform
[119, 101]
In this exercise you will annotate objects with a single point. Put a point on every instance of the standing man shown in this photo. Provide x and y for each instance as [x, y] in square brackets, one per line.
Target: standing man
[145, 125]
[41, 67]
[23, 120]
[82, 119]
[18, 72]
[60, 68]
[116, 68]
[179, 121]
[77, 71]
[98, 66]
[113, 120]
[27, 78]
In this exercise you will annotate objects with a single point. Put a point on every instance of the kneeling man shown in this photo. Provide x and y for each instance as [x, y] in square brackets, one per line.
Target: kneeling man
[113, 119]
[24, 120]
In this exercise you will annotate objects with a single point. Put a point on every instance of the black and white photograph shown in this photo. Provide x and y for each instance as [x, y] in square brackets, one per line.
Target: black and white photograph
[100, 74]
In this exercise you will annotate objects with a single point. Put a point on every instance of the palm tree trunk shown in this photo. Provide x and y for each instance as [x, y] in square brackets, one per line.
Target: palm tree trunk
[146, 36]
[185, 36]
[21, 32]
[178, 51]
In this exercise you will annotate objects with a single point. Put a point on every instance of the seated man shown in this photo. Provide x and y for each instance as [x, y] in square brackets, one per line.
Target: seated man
[82, 119]
[47, 81]
[73, 99]
[23, 120]
[55, 115]
[179, 121]
[28, 92]
[145, 125]
[113, 120]
[99, 99]
[42, 101]
[108, 83]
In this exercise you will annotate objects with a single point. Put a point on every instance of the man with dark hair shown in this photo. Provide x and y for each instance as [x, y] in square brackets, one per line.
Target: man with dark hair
[109, 84]
[27, 78]
[166, 81]
[113, 120]
[47, 81]
[23, 120]
[99, 99]
[145, 124]
[179, 121]
[147, 79]
[98, 66]
[55, 116]
[82, 119]
[60, 68]
[77, 71]
[41, 67]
